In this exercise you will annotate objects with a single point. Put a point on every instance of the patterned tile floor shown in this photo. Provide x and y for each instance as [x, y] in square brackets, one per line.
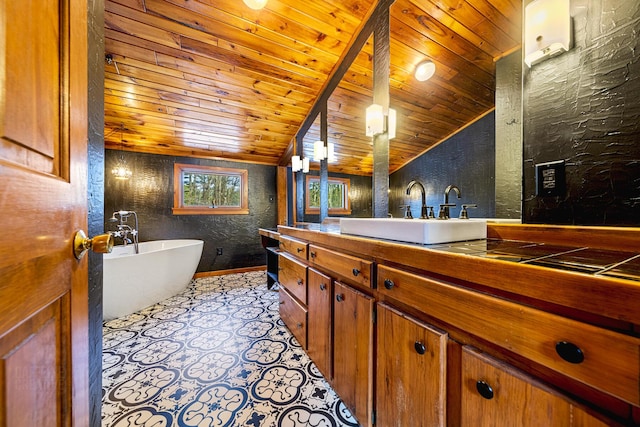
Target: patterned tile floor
[215, 355]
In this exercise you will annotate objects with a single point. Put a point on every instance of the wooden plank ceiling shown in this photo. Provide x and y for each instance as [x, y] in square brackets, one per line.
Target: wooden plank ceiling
[215, 79]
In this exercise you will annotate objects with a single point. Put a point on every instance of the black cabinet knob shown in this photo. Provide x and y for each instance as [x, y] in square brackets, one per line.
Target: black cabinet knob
[339, 298]
[312, 254]
[388, 283]
[300, 250]
[355, 271]
[484, 389]
[420, 347]
[300, 282]
[323, 286]
[569, 352]
[299, 325]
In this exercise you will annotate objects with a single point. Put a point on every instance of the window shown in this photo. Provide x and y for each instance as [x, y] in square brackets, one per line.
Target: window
[338, 196]
[209, 190]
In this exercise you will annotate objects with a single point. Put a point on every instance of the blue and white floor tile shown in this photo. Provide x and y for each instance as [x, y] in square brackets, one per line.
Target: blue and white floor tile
[215, 355]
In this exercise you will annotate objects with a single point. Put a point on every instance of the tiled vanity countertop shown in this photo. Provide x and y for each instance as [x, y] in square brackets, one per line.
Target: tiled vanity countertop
[622, 264]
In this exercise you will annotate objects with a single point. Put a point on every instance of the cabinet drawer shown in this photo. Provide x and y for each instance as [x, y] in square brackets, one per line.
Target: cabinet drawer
[606, 360]
[494, 393]
[292, 274]
[351, 269]
[294, 316]
[295, 247]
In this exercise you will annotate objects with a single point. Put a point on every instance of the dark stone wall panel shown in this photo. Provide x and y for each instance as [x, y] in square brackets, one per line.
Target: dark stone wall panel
[467, 159]
[150, 193]
[95, 197]
[582, 107]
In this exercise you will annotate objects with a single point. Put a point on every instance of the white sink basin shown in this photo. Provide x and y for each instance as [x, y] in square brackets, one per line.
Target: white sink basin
[428, 232]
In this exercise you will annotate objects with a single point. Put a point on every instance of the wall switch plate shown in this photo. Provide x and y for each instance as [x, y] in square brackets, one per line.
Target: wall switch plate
[550, 179]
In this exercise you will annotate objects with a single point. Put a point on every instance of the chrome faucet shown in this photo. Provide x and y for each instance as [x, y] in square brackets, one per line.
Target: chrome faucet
[423, 213]
[444, 208]
[125, 229]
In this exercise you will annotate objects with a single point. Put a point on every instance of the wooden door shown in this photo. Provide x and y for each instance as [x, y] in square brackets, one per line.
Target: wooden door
[353, 351]
[319, 322]
[411, 371]
[496, 394]
[43, 195]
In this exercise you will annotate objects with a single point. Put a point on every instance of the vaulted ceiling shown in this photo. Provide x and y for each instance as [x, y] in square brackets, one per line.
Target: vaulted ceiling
[215, 79]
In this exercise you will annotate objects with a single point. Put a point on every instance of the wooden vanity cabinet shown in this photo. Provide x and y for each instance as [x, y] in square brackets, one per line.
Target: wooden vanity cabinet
[496, 394]
[411, 369]
[353, 351]
[320, 321]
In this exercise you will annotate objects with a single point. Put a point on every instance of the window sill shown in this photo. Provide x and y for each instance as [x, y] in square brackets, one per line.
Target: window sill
[210, 211]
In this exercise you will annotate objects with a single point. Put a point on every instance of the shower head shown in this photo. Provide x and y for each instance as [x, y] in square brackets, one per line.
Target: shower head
[113, 218]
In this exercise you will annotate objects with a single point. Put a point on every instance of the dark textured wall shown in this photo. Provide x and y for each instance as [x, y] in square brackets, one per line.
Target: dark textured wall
[95, 198]
[360, 194]
[150, 193]
[509, 136]
[467, 159]
[583, 107]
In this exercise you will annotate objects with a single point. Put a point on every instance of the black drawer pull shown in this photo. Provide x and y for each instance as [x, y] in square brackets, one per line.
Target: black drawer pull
[300, 250]
[281, 302]
[355, 271]
[388, 283]
[420, 347]
[484, 389]
[300, 282]
[339, 297]
[299, 325]
[312, 254]
[569, 352]
[323, 286]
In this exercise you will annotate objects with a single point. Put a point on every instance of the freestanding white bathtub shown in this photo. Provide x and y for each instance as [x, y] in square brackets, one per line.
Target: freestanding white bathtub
[160, 270]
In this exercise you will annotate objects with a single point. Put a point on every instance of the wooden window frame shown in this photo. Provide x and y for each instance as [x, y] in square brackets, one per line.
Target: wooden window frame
[180, 209]
[345, 210]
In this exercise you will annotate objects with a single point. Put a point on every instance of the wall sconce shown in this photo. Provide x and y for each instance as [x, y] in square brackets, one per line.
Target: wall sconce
[321, 151]
[255, 4]
[299, 164]
[547, 30]
[120, 169]
[425, 70]
[377, 122]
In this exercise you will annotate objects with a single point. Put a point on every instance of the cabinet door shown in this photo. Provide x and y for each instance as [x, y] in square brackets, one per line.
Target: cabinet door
[353, 351]
[411, 371]
[319, 325]
[496, 394]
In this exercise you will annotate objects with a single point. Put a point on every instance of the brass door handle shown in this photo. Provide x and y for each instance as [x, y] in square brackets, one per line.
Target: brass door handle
[102, 244]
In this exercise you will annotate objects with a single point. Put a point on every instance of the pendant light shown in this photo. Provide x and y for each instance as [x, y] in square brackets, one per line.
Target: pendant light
[120, 169]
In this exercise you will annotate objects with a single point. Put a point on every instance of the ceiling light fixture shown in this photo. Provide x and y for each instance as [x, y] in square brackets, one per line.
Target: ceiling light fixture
[425, 70]
[255, 4]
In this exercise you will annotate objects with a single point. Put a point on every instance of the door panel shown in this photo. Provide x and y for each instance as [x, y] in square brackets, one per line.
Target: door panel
[43, 197]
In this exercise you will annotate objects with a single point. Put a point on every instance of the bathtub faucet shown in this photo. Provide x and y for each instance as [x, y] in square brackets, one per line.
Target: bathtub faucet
[124, 229]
